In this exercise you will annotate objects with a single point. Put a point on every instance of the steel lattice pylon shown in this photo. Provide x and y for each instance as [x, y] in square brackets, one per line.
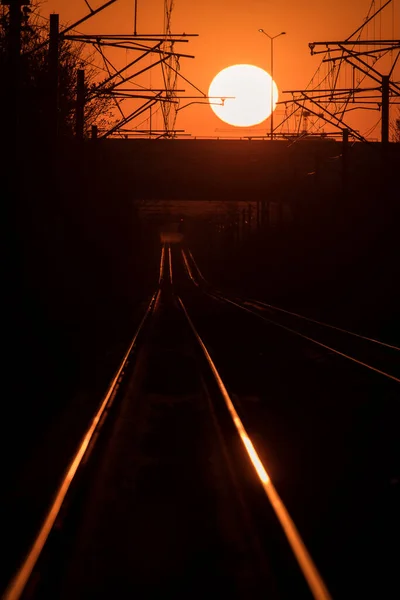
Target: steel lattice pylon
[357, 60]
[170, 69]
[134, 101]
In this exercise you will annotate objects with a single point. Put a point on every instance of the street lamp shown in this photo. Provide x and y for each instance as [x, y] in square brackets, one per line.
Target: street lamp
[272, 74]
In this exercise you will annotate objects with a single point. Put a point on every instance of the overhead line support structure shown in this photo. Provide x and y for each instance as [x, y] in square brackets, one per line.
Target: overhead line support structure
[385, 110]
[362, 56]
[146, 45]
[385, 90]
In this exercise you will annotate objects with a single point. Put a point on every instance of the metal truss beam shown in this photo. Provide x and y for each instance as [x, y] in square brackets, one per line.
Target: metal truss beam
[388, 43]
[339, 124]
[336, 101]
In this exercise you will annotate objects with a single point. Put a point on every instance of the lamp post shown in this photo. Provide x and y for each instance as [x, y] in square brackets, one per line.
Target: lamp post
[272, 37]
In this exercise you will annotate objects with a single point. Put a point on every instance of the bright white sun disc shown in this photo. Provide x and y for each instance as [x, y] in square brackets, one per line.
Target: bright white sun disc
[240, 95]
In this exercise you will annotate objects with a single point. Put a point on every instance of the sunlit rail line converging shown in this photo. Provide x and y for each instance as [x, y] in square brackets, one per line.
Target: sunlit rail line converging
[197, 266]
[18, 583]
[188, 268]
[323, 324]
[241, 305]
[306, 563]
[309, 339]
[162, 264]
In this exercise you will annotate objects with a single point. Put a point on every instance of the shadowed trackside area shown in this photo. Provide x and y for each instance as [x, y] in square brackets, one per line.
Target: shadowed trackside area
[171, 503]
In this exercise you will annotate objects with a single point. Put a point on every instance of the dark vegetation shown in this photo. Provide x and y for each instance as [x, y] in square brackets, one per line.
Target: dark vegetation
[74, 278]
[33, 78]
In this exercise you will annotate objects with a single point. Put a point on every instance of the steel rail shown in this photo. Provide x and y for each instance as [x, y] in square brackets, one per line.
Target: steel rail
[18, 583]
[162, 265]
[303, 557]
[188, 268]
[353, 333]
[197, 267]
[306, 337]
[220, 296]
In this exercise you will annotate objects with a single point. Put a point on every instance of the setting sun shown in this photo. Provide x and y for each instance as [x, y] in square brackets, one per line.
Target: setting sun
[245, 95]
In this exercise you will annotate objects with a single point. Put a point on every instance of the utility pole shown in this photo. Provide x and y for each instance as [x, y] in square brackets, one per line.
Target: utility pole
[14, 44]
[135, 18]
[80, 104]
[12, 200]
[53, 77]
[385, 110]
[345, 159]
[271, 38]
[385, 133]
[272, 89]
[13, 64]
[151, 123]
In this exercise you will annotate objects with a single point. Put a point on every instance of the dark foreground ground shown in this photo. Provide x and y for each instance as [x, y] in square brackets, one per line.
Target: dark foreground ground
[81, 270]
[159, 512]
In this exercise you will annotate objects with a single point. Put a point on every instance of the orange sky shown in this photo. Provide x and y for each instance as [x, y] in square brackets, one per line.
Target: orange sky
[228, 34]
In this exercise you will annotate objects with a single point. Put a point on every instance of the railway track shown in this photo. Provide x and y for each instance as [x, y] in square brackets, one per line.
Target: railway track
[167, 493]
[323, 401]
[373, 354]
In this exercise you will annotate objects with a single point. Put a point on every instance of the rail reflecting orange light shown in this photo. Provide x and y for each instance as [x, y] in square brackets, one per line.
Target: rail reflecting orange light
[17, 585]
[259, 467]
[162, 264]
[308, 338]
[197, 267]
[188, 268]
[306, 563]
[258, 303]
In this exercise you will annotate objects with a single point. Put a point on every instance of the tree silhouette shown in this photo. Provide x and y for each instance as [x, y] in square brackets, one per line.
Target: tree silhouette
[33, 78]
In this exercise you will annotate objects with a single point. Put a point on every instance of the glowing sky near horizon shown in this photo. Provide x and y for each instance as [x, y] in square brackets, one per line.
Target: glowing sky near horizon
[229, 36]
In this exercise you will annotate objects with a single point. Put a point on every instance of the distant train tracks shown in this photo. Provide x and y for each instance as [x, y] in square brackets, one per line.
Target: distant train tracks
[166, 338]
[325, 402]
[18, 584]
[375, 355]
